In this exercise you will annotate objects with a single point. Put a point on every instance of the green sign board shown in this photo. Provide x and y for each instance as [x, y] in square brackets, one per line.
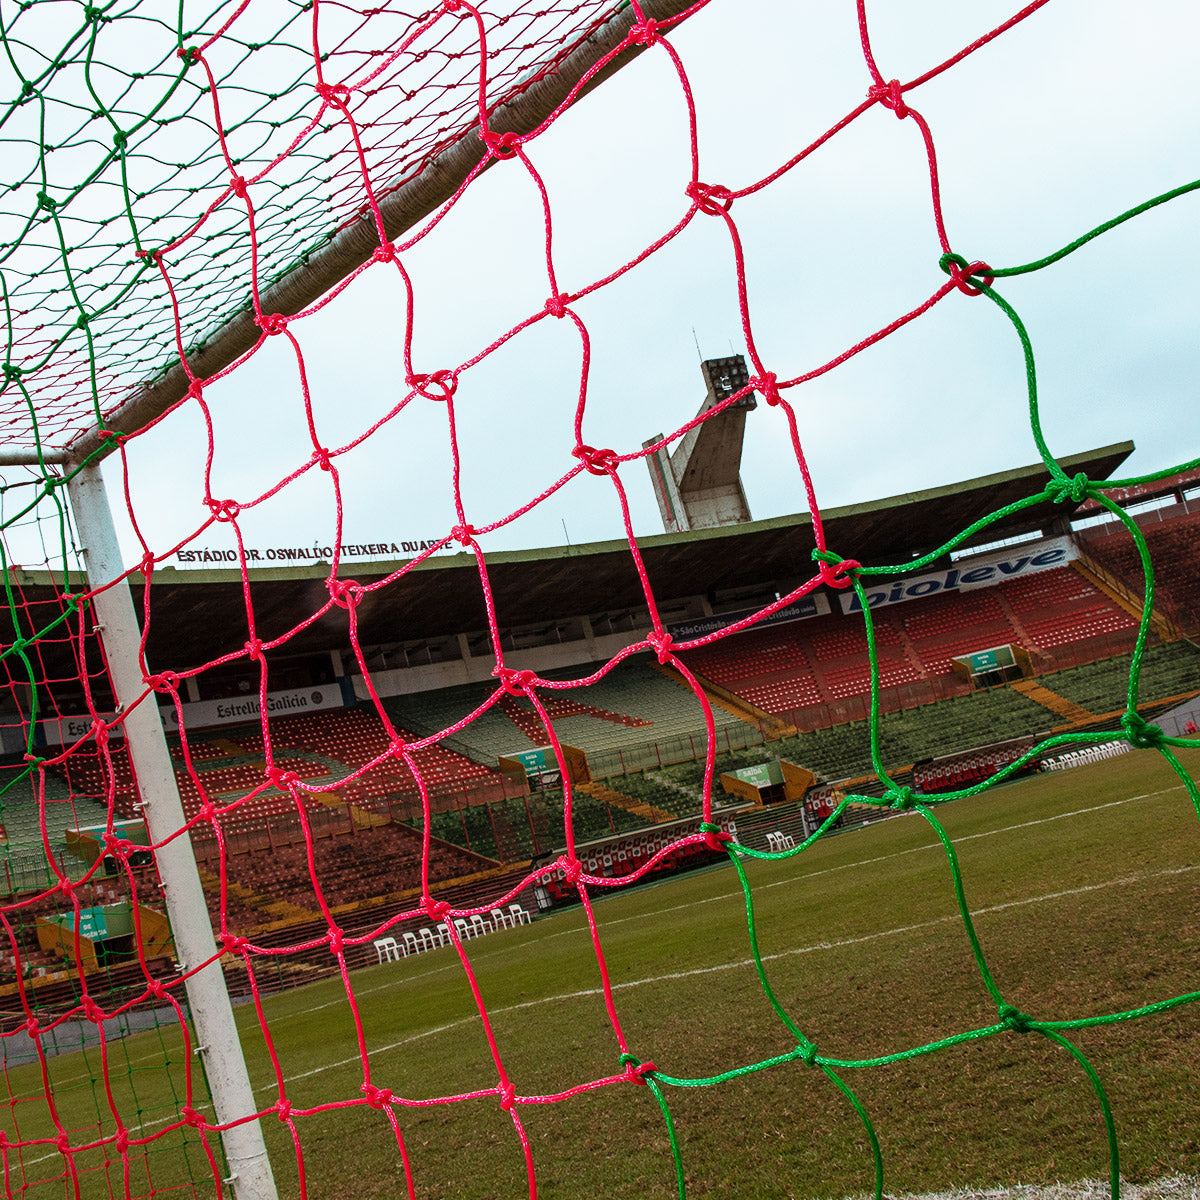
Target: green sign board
[93, 924]
[536, 761]
[760, 775]
[988, 660]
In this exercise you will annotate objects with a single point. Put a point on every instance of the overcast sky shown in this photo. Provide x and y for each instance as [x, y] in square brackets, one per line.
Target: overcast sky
[1082, 111]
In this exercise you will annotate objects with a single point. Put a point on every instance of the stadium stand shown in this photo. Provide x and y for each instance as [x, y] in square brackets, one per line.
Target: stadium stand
[1057, 607]
[944, 626]
[1174, 543]
[353, 866]
[633, 703]
[821, 662]
[1101, 687]
[641, 730]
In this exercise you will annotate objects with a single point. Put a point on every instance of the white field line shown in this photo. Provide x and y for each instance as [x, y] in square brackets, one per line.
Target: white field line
[652, 980]
[1176, 1187]
[867, 862]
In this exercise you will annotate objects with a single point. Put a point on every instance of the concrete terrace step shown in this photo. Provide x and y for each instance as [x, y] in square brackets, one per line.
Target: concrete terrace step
[1042, 695]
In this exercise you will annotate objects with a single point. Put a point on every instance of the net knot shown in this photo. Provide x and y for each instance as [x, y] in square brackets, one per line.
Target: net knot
[238, 186]
[377, 1097]
[463, 534]
[91, 1010]
[253, 649]
[195, 390]
[398, 748]
[271, 323]
[556, 306]
[768, 385]
[31, 1026]
[636, 1070]
[660, 639]
[46, 202]
[385, 252]
[225, 510]
[515, 683]
[572, 869]
[285, 781]
[598, 462]
[157, 989]
[900, 798]
[1140, 732]
[508, 1096]
[502, 145]
[63, 1143]
[436, 910]
[890, 95]
[1074, 490]
[336, 941]
[331, 92]
[283, 1109]
[644, 33]
[191, 1117]
[117, 845]
[710, 198]
[440, 385]
[321, 457]
[165, 683]
[27, 88]
[835, 571]
[189, 54]
[963, 272]
[451, 6]
[345, 593]
[12, 371]
[232, 943]
[121, 1142]
[1014, 1019]
[120, 139]
[714, 836]
[806, 1051]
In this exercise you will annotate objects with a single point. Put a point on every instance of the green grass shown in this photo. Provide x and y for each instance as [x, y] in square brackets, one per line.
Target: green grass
[1085, 901]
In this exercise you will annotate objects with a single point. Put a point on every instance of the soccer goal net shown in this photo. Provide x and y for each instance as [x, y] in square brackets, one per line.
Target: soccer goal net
[333, 810]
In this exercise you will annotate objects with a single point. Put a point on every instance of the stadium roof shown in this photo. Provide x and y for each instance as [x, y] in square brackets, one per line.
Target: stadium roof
[198, 615]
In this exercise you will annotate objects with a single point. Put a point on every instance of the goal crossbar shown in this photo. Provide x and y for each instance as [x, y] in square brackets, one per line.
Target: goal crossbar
[401, 211]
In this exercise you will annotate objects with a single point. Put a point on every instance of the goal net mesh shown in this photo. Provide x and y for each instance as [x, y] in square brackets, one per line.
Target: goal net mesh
[189, 192]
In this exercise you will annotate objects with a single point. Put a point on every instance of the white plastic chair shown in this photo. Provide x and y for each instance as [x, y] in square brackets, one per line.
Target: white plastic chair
[429, 939]
[518, 915]
[501, 919]
[465, 931]
[410, 942]
[388, 949]
[480, 925]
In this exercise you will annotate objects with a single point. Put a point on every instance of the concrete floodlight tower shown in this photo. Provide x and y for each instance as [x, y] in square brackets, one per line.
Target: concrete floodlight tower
[699, 485]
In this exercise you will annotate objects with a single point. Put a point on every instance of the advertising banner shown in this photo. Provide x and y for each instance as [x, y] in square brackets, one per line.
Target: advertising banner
[807, 606]
[985, 571]
[66, 731]
[231, 710]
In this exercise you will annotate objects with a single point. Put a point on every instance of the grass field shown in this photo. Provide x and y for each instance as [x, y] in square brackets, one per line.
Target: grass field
[1084, 889]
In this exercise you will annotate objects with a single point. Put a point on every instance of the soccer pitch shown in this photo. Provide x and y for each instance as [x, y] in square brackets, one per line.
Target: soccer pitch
[1083, 888]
